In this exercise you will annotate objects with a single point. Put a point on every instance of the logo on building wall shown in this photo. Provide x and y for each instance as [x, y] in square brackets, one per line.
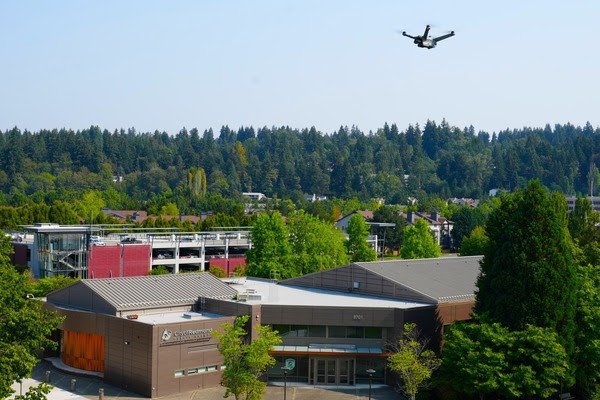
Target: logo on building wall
[166, 336]
[185, 336]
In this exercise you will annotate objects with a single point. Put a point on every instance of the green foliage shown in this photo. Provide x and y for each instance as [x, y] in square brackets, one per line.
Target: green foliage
[169, 209]
[218, 272]
[393, 236]
[270, 246]
[438, 161]
[528, 273]
[25, 326]
[412, 361]
[62, 213]
[159, 270]
[245, 361]
[465, 220]
[587, 339]
[357, 246]
[90, 206]
[490, 361]
[475, 244]
[38, 392]
[419, 242]
[583, 226]
[197, 181]
[41, 287]
[316, 245]
[305, 245]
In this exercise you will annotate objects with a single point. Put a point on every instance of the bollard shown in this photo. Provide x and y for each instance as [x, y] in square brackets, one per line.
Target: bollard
[47, 379]
[73, 383]
[101, 394]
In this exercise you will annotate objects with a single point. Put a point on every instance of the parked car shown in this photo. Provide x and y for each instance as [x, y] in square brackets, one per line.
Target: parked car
[96, 241]
[130, 240]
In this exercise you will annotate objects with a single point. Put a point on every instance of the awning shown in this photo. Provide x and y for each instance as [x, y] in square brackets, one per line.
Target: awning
[327, 349]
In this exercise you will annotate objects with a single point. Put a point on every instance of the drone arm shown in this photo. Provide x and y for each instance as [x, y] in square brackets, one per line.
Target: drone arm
[437, 39]
[407, 35]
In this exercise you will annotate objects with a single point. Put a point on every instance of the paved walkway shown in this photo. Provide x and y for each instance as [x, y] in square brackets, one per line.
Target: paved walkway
[86, 388]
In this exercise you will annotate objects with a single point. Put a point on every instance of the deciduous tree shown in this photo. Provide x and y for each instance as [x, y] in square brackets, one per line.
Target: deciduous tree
[475, 244]
[412, 361]
[25, 326]
[419, 242]
[245, 361]
[489, 361]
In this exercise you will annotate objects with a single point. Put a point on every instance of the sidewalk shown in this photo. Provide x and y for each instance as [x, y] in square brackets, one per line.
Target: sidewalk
[87, 387]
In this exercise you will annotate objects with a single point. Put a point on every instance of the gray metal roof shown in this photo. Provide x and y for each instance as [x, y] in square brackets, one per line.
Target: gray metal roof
[444, 279]
[159, 291]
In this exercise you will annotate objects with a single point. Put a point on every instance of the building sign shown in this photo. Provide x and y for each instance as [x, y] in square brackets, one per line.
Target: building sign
[290, 363]
[357, 317]
[185, 336]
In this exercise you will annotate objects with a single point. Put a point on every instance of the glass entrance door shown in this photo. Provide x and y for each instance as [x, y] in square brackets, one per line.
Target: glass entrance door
[333, 371]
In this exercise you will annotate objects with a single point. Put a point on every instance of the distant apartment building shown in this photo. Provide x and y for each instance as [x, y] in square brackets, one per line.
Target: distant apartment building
[440, 227]
[254, 196]
[594, 199]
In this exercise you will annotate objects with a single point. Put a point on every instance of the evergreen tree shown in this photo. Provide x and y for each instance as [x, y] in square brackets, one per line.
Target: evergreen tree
[528, 272]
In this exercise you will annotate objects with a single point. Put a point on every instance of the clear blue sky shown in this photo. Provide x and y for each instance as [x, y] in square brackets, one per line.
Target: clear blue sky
[169, 64]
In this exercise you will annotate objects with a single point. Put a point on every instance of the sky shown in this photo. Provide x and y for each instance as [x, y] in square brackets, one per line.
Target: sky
[165, 65]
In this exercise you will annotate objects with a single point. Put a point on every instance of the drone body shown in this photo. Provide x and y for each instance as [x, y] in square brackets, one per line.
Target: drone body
[426, 41]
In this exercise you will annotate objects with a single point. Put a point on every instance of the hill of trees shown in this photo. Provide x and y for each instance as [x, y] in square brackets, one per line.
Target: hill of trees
[282, 162]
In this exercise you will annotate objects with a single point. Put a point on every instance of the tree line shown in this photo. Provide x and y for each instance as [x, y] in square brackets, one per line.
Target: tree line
[283, 162]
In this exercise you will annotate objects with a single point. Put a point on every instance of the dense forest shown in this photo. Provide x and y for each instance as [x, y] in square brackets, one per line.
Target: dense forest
[434, 160]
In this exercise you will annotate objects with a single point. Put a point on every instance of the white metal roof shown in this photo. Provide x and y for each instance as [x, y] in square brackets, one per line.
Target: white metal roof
[272, 293]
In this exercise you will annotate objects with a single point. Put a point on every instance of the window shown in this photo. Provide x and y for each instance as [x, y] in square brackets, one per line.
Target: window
[211, 368]
[372, 332]
[299, 331]
[192, 371]
[283, 330]
[337, 332]
[317, 331]
[355, 332]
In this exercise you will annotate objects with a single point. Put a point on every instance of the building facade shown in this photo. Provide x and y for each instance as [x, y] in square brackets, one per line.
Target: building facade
[50, 249]
[153, 335]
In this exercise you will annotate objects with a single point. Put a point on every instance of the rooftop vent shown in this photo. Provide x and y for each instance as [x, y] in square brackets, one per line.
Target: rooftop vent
[191, 315]
[249, 295]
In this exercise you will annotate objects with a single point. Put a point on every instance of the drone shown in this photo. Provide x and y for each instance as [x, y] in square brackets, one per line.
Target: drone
[426, 41]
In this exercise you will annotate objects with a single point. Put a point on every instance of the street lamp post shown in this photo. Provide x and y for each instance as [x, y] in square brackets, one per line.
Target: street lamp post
[285, 370]
[370, 371]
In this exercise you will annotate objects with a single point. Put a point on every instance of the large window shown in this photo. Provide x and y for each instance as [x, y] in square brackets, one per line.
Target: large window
[322, 331]
[291, 330]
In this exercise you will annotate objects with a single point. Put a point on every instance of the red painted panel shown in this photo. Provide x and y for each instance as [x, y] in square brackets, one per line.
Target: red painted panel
[120, 260]
[136, 259]
[220, 263]
[235, 262]
[104, 262]
[228, 265]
